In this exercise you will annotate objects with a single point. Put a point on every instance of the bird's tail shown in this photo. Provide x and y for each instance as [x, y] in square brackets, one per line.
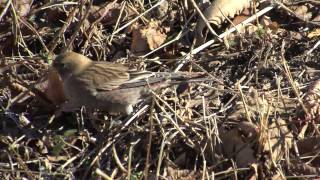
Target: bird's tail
[162, 79]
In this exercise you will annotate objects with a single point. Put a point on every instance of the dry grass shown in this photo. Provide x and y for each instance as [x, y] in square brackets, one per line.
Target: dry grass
[255, 116]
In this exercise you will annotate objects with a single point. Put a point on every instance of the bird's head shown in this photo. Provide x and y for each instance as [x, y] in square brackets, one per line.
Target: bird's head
[70, 63]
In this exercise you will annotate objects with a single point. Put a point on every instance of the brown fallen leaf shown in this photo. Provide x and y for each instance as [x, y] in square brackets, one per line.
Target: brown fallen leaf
[234, 146]
[217, 12]
[22, 7]
[57, 158]
[314, 33]
[256, 104]
[54, 89]
[302, 12]
[310, 146]
[183, 174]
[109, 14]
[139, 44]
[267, 23]
[312, 99]
[147, 38]
[275, 140]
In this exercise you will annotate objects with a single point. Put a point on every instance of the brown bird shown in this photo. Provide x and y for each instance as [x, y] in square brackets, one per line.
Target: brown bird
[106, 86]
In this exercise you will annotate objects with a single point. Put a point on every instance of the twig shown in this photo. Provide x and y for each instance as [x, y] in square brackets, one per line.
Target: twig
[289, 77]
[244, 103]
[102, 174]
[229, 31]
[194, 4]
[5, 9]
[114, 139]
[313, 48]
[77, 29]
[54, 42]
[117, 160]
[146, 169]
[118, 20]
[136, 18]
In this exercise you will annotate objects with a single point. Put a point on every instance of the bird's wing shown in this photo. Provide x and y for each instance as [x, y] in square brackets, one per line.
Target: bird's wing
[160, 79]
[138, 79]
[105, 76]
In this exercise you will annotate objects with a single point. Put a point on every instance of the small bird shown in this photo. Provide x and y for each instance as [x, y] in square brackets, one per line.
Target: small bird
[106, 86]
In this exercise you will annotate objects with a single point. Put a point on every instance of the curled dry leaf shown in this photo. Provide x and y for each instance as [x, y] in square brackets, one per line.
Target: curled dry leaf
[310, 147]
[268, 24]
[312, 99]
[256, 106]
[276, 140]
[54, 89]
[55, 15]
[303, 168]
[147, 38]
[234, 146]
[314, 33]
[139, 43]
[108, 14]
[217, 12]
[302, 12]
[22, 7]
[249, 130]
[171, 173]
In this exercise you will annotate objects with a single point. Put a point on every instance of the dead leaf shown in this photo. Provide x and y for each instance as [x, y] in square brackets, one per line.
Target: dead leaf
[310, 147]
[314, 33]
[57, 158]
[108, 14]
[267, 23]
[139, 43]
[184, 174]
[276, 140]
[217, 12]
[55, 15]
[235, 147]
[312, 99]
[54, 89]
[22, 7]
[235, 144]
[256, 104]
[302, 12]
[147, 38]
[239, 19]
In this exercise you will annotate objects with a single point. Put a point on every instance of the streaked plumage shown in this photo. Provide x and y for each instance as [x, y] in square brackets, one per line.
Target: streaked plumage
[104, 85]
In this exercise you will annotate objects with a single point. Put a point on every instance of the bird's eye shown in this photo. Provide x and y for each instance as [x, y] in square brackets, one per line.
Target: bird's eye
[64, 66]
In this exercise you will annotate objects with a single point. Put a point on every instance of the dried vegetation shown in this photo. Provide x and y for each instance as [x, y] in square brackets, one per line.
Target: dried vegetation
[256, 118]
